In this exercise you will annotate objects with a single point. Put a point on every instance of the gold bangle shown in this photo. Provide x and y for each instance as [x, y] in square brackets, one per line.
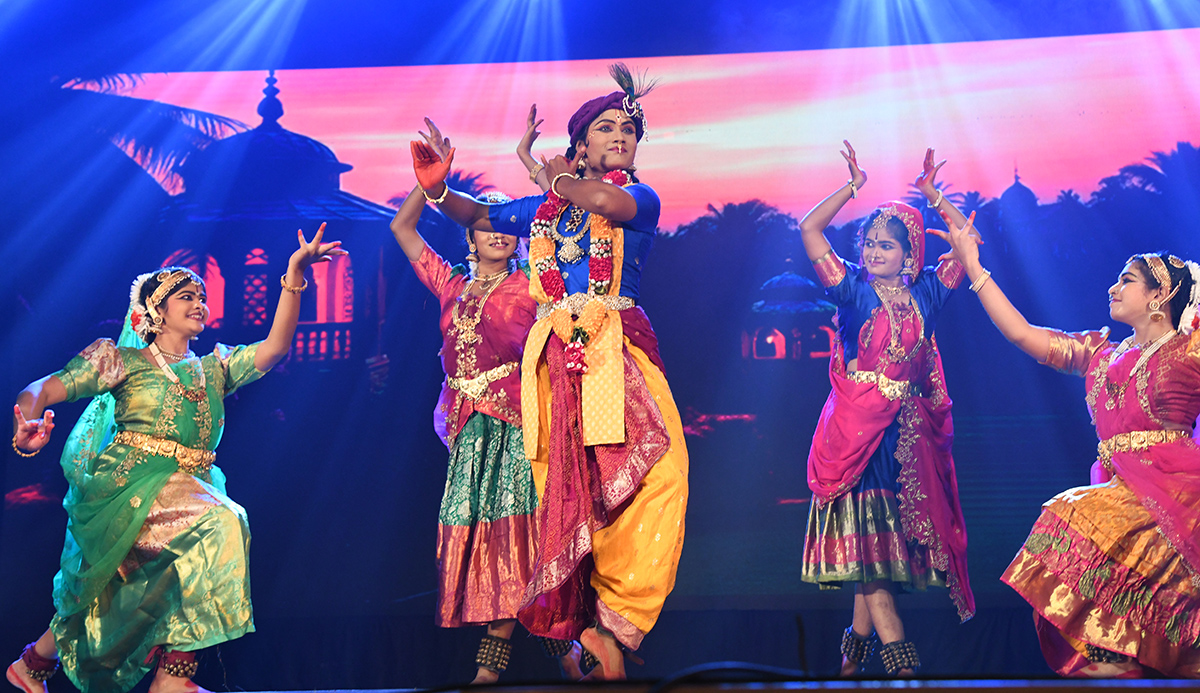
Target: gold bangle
[437, 200]
[853, 189]
[21, 452]
[937, 203]
[533, 172]
[554, 183]
[292, 289]
[980, 281]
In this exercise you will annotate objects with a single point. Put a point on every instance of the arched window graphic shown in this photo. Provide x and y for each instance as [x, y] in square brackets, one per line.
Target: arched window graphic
[254, 289]
[324, 330]
[769, 343]
[214, 282]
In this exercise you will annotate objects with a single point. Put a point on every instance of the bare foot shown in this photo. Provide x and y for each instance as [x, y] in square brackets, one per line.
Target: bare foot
[1128, 669]
[483, 676]
[165, 683]
[569, 663]
[18, 675]
[849, 668]
[607, 652]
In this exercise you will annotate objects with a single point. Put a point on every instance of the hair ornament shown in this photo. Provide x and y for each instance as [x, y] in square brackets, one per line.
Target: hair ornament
[145, 318]
[1189, 318]
[635, 87]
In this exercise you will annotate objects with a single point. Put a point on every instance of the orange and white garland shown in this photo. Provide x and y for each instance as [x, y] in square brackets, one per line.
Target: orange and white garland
[548, 286]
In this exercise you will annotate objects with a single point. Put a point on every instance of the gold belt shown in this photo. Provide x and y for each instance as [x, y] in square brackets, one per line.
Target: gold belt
[191, 460]
[891, 389]
[473, 388]
[576, 302]
[1136, 441]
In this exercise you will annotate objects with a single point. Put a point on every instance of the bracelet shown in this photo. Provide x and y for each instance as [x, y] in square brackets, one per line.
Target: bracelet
[292, 289]
[533, 172]
[936, 203]
[437, 200]
[554, 183]
[853, 189]
[21, 452]
[980, 281]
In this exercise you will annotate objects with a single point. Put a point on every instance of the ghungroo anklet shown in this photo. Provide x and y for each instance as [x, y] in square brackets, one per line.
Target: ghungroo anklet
[179, 664]
[898, 655]
[856, 648]
[588, 661]
[1100, 655]
[555, 648]
[40, 668]
[493, 654]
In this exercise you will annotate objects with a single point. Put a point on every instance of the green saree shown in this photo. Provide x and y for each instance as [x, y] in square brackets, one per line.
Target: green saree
[153, 555]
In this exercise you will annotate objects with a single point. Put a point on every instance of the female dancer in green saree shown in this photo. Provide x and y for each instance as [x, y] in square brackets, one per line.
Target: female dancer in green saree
[155, 559]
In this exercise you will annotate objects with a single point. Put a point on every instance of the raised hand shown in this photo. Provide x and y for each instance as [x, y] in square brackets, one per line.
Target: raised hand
[314, 251]
[525, 146]
[857, 175]
[925, 181]
[435, 140]
[32, 435]
[430, 168]
[964, 241]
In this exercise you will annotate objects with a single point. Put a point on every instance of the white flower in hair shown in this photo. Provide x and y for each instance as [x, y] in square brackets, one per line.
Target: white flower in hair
[1189, 317]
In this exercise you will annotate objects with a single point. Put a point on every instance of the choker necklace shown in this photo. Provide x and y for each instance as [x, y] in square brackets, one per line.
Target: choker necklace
[889, 290]
[154, 348]
[490, 277]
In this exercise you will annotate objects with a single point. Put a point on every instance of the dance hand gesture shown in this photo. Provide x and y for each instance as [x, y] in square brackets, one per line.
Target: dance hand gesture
[435, 140]
[560, 165]
[525, 146]
[964, 242]
[929, 170]
[857, 175]
[312, 252]
[432, 158]
[32, 435]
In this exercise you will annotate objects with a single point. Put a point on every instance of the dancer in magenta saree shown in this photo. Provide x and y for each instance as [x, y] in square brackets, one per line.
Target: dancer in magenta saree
[1111, 569]
[885, 509]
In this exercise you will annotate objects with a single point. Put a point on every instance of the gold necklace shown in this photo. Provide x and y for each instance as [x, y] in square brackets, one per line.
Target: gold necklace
[570, 252]
[465, 325]
[894, 291]
[490, 277]
[895, 348]
[1116, 391]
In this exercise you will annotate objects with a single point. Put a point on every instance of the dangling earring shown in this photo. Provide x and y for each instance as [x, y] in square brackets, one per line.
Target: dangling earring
[472, 256]
[1156, 314]
[909, 268]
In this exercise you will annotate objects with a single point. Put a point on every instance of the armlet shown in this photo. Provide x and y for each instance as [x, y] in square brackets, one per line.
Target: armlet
[830, 269]
[1072, 352]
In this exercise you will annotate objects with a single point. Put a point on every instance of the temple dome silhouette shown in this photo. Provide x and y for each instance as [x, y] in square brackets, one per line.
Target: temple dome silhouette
[244, 197]
[1018, 205]
[268, 172]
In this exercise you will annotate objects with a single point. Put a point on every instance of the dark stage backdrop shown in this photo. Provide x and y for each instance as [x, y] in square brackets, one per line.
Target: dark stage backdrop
[334, 455]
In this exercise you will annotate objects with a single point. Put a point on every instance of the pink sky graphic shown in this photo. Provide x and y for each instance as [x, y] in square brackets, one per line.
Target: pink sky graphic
[728, 128]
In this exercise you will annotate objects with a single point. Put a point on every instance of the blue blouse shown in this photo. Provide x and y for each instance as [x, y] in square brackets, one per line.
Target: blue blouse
[514, 218]
[856, 301]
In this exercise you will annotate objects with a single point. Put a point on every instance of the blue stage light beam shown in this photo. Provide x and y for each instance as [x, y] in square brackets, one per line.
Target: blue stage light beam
[488, 31]
[906, 22]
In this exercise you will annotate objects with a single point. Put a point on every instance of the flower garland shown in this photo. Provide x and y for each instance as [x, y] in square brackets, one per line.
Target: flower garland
[574, 331]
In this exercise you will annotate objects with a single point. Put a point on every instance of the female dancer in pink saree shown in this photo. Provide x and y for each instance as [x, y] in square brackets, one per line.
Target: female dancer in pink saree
[1111, 569]
[885, 510]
